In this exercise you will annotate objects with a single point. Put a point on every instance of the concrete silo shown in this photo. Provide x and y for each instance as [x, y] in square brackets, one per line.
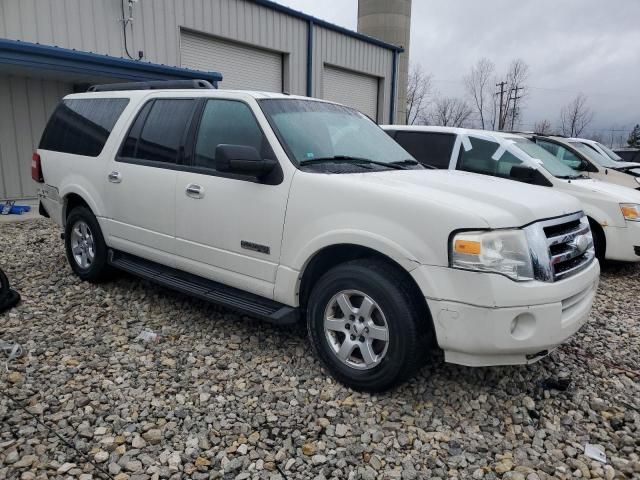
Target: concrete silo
[390, 21]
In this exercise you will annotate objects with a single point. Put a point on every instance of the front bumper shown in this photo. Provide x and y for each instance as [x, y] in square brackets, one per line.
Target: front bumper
[486, 319]
[622, 242]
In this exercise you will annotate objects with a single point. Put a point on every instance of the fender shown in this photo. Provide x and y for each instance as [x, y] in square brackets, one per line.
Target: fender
[602, 216]
[89, 195]
[288, 277]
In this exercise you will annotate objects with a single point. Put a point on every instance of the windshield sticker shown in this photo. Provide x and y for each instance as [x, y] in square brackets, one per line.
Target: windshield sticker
[309, 155]
[466, 143]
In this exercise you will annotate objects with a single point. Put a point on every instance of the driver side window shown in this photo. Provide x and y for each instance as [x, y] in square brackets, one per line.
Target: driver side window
[480, 159]
[227, 122]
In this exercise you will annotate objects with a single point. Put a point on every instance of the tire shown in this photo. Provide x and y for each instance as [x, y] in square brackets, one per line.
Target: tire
[84, 237]
[388, 295]
[599, 241]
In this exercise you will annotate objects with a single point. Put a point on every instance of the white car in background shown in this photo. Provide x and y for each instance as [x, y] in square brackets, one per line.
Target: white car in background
[602, 150]
[587, 161]
[613, 211]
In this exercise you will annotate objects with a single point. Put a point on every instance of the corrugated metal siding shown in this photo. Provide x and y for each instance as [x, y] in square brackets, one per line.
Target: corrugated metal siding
[352, 89]
[93, 25]
[25, 107]
[342, 51]
[245, 67]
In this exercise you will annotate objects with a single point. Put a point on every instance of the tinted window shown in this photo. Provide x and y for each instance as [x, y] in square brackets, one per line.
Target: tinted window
[158, 131]
[82, 126]
[227, 122]
[480, 159]
[428, 148]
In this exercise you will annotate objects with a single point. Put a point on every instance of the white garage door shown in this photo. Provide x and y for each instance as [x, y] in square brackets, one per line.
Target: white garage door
[356, 90]
[242, 67]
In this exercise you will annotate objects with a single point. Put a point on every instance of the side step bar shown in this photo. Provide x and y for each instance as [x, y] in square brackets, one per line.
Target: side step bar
[204, 289]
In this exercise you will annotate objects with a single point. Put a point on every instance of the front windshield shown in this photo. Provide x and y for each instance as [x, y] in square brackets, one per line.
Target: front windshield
[591, 154]
[554, 166]
[312, 130]
[612, 155]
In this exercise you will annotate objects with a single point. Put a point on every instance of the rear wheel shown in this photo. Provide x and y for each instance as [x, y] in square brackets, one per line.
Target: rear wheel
[365, 325]
[85, 246]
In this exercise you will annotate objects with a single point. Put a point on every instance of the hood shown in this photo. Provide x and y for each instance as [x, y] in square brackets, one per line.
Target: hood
[623, 164]
[499, 202]
[610, 191]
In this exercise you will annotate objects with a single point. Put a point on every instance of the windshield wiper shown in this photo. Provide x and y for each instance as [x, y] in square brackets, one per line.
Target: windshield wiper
[410, 162]
[571, 177]
[351, 160]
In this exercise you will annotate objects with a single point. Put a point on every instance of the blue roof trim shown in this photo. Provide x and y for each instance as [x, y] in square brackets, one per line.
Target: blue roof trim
[17, 52]
[327, 25]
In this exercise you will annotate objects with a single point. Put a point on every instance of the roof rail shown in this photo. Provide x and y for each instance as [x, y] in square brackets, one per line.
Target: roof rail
[153, 85]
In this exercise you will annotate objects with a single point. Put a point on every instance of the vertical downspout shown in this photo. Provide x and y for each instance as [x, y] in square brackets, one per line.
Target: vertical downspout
[310, 59]
[394, 74]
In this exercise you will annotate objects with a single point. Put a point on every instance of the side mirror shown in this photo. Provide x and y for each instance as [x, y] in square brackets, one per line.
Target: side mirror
[242, 160]
[530, 175]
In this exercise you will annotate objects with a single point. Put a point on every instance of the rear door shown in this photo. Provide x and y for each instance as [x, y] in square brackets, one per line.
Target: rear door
[141, 179]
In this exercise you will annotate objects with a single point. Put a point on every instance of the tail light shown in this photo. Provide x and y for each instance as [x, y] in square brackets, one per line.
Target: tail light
[36, 168]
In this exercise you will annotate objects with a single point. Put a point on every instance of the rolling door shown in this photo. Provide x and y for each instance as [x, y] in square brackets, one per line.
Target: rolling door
[242, 67]
[355, 90]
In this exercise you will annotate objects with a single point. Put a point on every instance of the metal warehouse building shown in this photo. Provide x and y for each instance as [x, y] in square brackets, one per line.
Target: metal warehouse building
[49, 48]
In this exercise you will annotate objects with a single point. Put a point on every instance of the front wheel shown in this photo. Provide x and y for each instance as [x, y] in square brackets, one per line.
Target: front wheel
[85, 246]
[365, 325]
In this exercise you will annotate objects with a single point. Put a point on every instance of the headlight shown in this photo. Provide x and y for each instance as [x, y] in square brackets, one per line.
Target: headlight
[630, 211]
[637, 179]
[499, 251]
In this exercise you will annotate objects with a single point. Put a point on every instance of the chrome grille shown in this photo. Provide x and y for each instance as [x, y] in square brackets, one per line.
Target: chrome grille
[570, 244]
[560, 247]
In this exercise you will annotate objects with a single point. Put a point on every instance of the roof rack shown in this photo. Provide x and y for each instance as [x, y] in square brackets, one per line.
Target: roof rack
[153, 85]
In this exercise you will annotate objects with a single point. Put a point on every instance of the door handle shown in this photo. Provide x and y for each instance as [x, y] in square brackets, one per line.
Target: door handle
[115, 177]
[195, 191]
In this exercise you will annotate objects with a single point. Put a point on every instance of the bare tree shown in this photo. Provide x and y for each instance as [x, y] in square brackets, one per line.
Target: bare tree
[575, 116]
[419, 89]
[479, 86]
[450, 112]
[543, 127]
[516, 91]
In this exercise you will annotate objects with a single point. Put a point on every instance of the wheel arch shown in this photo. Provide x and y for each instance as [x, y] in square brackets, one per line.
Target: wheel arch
[77, 197]
[333, 255]
[598, 230]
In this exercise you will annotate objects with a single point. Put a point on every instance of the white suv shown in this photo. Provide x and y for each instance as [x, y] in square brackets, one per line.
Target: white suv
[613, 210]
[290, 208]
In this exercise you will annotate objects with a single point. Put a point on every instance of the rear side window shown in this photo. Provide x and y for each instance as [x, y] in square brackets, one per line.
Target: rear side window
[158, 131]
[82, 126]
[428, 148]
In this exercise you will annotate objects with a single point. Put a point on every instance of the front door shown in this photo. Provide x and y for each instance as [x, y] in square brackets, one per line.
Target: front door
[229, 227]
[141, 181]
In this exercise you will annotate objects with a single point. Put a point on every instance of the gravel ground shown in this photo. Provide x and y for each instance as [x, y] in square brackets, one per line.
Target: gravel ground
[219, 395]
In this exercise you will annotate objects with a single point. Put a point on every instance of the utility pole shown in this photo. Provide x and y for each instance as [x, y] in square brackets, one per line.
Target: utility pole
[515, 105]
[501, 93]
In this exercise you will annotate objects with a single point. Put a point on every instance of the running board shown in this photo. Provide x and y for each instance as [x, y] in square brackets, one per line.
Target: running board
[204, 289]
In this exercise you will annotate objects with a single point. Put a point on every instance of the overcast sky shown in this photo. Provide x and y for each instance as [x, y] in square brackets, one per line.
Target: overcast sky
[571, 46]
